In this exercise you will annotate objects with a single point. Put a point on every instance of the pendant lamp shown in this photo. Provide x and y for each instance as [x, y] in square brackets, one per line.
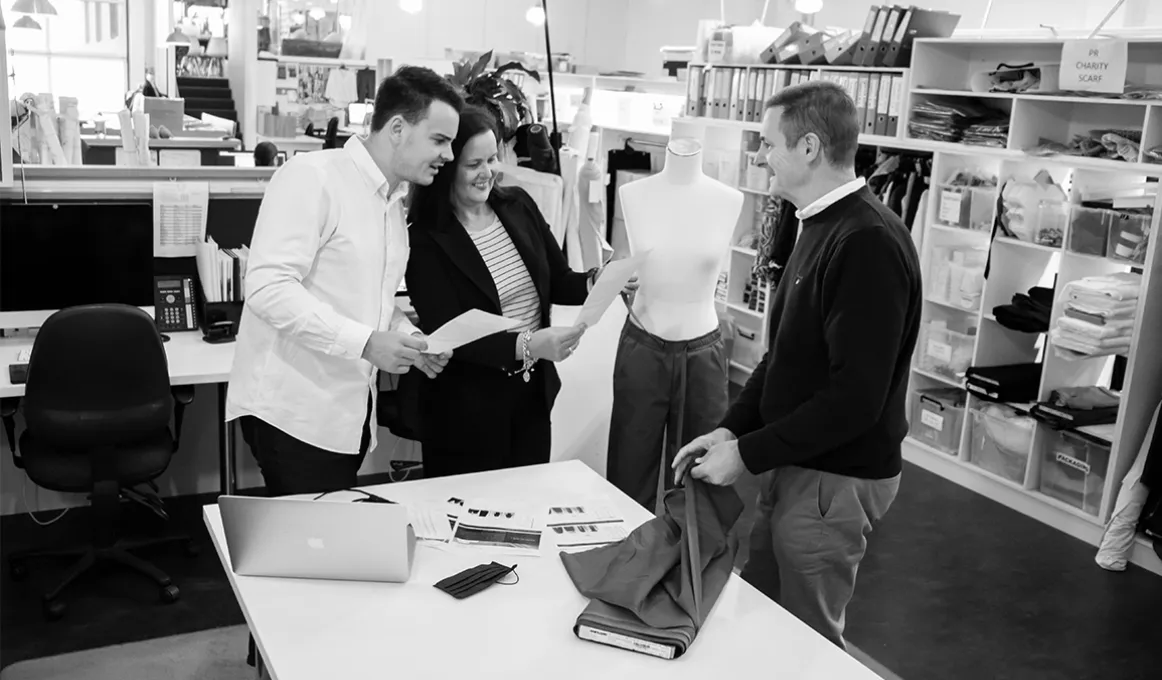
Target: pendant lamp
[43, 7]
[26, 22]
[177, 38]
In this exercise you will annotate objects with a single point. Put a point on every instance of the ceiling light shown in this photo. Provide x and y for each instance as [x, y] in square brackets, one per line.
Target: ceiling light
[34, 7]
[345, 22]
[317, 13]
[411, 6]
[808, 6]
[26, 22]
[535, 15]
[298, 18]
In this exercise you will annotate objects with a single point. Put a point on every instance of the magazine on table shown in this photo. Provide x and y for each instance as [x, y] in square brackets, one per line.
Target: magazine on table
[585, 525]
[502, 525]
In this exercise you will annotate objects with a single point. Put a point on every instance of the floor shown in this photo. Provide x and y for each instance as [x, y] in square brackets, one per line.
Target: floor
[954, 586]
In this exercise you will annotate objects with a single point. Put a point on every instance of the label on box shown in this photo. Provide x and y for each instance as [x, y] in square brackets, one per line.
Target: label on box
[1072, 462]
[932, 420]
[1094, 65]
[950, 206]
[625, 642]
[716, 50]
[940, 351]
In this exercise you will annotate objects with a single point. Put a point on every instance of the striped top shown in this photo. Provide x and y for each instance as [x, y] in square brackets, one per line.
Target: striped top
[514, 285]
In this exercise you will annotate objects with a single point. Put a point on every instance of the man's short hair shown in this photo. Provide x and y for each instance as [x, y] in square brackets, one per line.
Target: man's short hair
[409, 92]
[823, 108]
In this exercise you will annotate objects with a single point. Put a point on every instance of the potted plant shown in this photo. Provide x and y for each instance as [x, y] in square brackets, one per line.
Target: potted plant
[491, 90]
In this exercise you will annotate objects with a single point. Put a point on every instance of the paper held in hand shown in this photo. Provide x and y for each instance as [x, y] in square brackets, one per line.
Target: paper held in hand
[468, 327]
[612, 281]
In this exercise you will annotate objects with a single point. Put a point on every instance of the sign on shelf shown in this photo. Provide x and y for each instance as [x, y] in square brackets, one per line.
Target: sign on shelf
[1094, 65]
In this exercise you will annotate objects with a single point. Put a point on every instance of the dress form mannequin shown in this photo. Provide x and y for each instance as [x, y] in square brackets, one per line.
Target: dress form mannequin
[670, 373]
[687, 220]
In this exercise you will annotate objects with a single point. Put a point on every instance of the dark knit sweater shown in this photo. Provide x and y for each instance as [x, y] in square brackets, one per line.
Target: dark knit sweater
[831, 392]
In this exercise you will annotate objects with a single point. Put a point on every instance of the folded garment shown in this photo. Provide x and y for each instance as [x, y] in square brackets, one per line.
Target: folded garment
[1120, 286]
[1122, 312]
[1063, 418]
[657, 586]
[1027, 313]
[1111, 329]
[1073, 346]
[1116, 341]
[1083, 398]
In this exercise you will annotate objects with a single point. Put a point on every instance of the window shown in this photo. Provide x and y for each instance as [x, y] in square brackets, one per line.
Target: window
[81, 52]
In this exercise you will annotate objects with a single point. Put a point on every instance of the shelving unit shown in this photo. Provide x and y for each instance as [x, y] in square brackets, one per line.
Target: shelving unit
[5, 139]
[944, 68]
[1093, 460]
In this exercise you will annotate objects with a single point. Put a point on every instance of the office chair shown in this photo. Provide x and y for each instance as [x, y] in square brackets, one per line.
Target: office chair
[97, 408]
[331, 136]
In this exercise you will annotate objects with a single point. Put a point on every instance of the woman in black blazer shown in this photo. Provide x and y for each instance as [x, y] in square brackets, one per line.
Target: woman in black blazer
[475, 245]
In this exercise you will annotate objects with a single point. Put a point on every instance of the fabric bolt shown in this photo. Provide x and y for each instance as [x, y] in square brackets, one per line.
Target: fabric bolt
[809, 535]
[518, 296]
[1085, 397]
[661, 582]
[665, 393]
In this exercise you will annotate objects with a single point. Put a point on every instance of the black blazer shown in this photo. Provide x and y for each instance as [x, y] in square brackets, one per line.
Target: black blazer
[468, 405]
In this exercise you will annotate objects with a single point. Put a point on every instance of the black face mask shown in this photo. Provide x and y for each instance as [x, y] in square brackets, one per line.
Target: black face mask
[474, 580]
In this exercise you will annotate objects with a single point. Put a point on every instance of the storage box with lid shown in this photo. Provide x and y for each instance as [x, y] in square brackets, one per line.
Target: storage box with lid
[967, 207]
[1073, 470]
[937, 417]
[1000, 441]
[1129, 236]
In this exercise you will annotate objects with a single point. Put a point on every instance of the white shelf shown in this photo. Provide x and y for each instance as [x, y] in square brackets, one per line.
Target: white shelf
[802, 67]
[754, 192]
[1067, 99]
[749, 252]
[938, 378]
[747, 370]
[735, 307]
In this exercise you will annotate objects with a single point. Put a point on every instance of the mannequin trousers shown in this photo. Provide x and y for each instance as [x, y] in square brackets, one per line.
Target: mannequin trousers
[665, 393]
[809, 536]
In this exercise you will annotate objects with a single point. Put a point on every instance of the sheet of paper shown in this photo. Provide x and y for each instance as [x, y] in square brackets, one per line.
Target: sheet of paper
[430, 522]
[502, 525]
[585, 525]
[608, 287]
[468, 327]
[179, 217]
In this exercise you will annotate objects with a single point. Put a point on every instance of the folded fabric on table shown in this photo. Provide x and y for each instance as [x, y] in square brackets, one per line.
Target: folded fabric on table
[1028, 313]
[1070, 407]
[652, 591]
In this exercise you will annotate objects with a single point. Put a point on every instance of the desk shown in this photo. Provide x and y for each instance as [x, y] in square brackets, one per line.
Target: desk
[336, 629]
[104, 150]
[293, 145]
[191, 362]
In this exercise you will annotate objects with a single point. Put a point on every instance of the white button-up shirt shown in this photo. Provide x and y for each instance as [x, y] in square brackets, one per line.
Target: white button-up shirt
[330, 249]
[825, 201]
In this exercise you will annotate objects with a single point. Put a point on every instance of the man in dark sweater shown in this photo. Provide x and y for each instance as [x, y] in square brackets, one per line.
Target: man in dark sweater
[823, 417]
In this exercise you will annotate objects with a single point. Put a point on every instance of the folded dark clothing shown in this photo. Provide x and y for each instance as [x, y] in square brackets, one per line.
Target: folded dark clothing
[1028, 313]
[1064, 418]
[1085, 398]
[1014, 383]
[657, 586]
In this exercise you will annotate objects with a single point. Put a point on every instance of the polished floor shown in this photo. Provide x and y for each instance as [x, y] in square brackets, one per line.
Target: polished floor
[954, 586]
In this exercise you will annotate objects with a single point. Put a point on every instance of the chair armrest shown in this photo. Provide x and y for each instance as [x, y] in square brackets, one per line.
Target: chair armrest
[183, 396]
[8, 408]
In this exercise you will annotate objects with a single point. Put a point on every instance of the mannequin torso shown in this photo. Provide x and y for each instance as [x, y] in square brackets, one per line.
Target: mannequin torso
[686, 220]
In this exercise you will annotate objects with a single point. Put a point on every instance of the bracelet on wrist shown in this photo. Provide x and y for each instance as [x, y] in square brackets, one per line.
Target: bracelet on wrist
[527, 355]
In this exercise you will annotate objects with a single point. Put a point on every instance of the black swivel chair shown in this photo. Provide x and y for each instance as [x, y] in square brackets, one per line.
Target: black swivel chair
[97, 410]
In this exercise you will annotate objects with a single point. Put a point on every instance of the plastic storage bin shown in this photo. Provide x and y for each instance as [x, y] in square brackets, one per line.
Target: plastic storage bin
[967, 207]
[937, 416]
[1052, 216]
[956, 276]
[1129, 236]
[748, 350]
[1073, 470]
[1089, 231]
[1000, 440]
[946, 352]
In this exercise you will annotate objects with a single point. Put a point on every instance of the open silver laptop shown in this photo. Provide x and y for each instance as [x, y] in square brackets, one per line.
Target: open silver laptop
[299, 538]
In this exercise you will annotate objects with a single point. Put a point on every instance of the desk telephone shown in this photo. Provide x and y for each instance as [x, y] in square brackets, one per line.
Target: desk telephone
[173, 303]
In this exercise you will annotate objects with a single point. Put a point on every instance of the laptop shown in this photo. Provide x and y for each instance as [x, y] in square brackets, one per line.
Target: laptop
[300, 538]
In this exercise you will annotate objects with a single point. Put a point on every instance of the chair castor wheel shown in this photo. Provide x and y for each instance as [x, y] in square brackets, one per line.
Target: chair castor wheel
[17, 570]
[54, 610]
[192, 549]
[170, 594]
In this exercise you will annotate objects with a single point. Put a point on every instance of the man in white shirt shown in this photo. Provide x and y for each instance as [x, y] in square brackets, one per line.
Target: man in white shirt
[329, 251]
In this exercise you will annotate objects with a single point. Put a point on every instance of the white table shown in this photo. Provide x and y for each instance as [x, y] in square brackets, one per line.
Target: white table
[192, 361]
[333, 629]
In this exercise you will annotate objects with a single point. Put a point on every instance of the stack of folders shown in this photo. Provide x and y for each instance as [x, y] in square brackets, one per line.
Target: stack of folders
[221, 271]
[889, 31]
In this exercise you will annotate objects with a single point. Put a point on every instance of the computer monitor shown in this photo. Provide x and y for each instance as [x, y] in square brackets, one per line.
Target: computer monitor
[60, 254]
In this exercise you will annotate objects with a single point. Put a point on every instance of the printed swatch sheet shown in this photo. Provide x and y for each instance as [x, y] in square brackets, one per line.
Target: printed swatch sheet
[585, 525]
[497, 524]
